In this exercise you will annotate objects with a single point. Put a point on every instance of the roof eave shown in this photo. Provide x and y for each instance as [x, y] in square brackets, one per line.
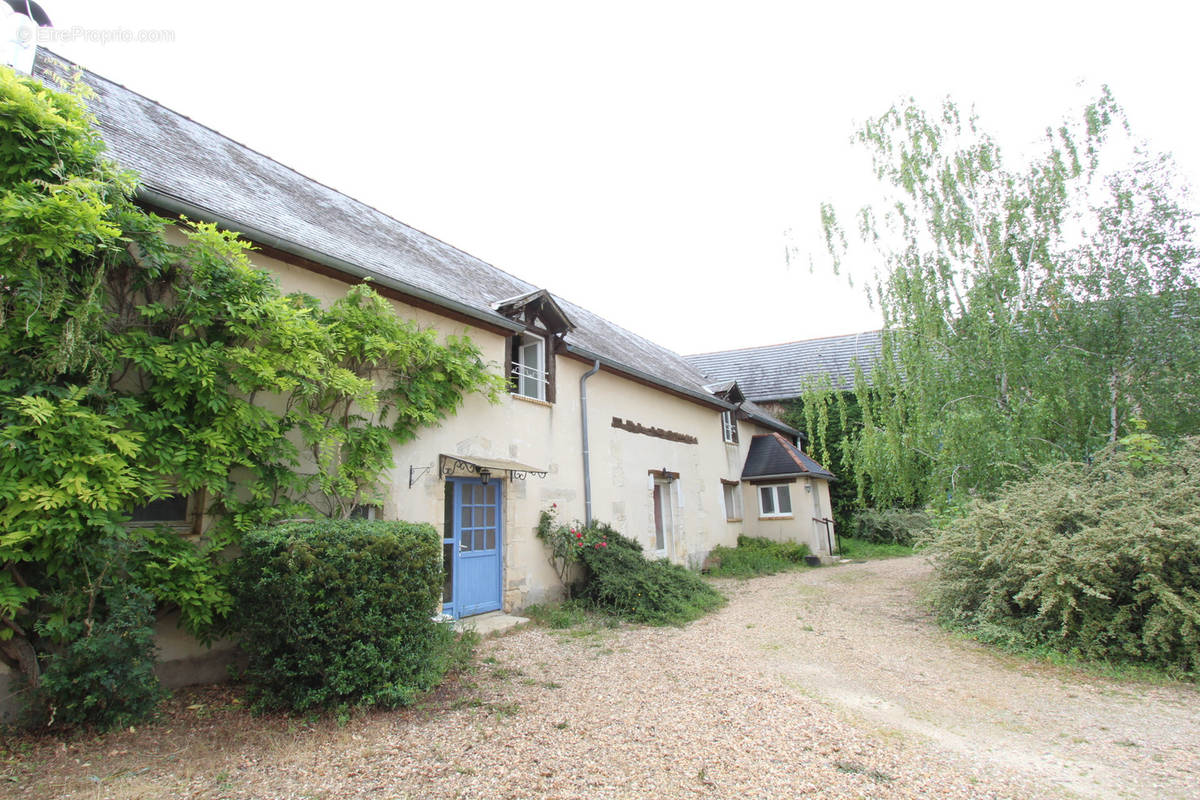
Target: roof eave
[790, 475]
[176, 205]
[645, 377]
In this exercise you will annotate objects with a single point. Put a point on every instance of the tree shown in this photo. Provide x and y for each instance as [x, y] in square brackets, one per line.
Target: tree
[1032, 312]
[134, 369]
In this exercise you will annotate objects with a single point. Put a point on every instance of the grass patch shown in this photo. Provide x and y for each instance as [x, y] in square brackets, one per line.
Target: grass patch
[1114, 670]
[567, 614]
[755, 556]
[860, 548]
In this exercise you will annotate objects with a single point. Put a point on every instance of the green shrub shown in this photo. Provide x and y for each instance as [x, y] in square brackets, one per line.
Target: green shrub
[1099, 561]
[755, 556]
[861, 549]
[338, 613]
[104, 675]
[623, 582]
[890, 525]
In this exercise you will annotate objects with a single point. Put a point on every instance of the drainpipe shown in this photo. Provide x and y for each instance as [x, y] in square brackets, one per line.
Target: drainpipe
[587, 464]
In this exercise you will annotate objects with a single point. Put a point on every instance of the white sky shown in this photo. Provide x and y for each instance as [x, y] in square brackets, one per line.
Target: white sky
[644, 159]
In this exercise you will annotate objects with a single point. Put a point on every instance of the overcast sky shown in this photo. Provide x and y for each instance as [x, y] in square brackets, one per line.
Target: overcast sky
[649, 160]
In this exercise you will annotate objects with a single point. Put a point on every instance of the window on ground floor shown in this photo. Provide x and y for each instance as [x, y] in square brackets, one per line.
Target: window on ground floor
[733, 500]
[181, 512]
[774, 500]
[662, 514]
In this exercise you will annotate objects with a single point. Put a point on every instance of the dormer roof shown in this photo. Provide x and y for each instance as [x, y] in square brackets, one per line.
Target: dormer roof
[537, 306]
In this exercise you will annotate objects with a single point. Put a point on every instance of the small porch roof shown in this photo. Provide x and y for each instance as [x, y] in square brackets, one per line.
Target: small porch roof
[773, 456]
[453, 464]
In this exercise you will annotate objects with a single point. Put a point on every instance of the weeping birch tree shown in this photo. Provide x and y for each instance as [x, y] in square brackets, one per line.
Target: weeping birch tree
[1034, 311]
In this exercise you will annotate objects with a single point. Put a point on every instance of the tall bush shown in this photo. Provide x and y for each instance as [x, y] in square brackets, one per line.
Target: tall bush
[133, 368]
[1100, 560]
[339, 613]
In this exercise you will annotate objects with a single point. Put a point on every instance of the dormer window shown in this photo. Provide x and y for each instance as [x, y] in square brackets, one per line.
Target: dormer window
[529, 366]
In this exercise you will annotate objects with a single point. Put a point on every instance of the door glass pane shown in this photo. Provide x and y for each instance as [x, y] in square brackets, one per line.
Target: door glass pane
[491, 517]
[767, 500]
[448, 566]
[785, 500]
[467, 522]
[465, 541]
[490, 543]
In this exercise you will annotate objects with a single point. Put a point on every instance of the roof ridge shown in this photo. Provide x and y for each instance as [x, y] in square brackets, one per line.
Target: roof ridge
[787, 448]
[782, 344]
[69, 63]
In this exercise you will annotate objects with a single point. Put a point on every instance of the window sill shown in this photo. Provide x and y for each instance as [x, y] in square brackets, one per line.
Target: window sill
[733, 519]
[527, 399]
[776, 517]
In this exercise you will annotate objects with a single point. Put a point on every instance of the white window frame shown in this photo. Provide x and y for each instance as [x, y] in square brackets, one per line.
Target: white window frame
[733, 501]
[661, 488]
[728, 427]
[775, 491]
[526, 373]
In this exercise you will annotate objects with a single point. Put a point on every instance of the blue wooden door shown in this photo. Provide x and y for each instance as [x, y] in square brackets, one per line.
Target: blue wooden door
[475, 547]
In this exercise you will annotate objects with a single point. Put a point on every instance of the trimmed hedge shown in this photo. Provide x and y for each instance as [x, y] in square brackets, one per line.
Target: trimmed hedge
[1101, 561]
[338, 613]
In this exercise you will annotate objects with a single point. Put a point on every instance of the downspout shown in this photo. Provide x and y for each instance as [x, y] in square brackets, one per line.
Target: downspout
[587, 464]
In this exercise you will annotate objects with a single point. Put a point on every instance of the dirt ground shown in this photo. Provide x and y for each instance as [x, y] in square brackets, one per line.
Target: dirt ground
[825, 683]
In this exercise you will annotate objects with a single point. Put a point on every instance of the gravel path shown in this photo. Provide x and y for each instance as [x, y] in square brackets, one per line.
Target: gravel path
[827, 683]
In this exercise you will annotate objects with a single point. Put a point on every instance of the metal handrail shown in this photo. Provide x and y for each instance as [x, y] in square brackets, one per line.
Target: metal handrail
[829, 542]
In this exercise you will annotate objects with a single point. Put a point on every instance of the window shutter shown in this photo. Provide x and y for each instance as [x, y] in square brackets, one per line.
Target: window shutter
[733, 415]
[511, 358]
[551, 346]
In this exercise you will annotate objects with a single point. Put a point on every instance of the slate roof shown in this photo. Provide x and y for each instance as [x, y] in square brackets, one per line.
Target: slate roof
[187, 167]
[773, 456]
[761, 415]
[780, 371]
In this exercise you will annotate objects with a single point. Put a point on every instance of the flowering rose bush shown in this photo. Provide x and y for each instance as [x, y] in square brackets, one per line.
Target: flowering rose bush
[566, 543]
[610, 572]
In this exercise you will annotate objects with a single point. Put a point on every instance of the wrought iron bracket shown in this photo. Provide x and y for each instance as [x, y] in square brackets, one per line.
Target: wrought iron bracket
[415, 474]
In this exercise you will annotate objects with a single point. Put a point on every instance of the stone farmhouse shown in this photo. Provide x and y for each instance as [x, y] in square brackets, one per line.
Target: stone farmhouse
[599, 421]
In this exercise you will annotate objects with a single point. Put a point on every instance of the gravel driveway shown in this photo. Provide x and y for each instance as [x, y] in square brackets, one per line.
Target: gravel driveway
[826, 683]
